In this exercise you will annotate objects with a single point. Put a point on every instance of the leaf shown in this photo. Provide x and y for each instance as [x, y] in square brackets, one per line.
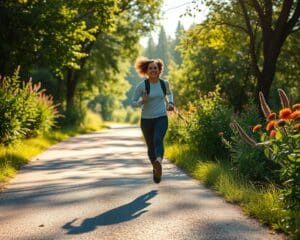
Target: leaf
[275, 149]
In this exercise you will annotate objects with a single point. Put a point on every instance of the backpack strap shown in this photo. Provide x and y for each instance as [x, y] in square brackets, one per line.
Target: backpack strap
[147, 86]
[162, 85]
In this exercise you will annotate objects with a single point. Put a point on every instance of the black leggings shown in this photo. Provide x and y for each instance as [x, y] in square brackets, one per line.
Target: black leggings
[154, 131]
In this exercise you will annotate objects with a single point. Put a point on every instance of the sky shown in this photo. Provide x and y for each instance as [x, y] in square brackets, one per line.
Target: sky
[171, 14]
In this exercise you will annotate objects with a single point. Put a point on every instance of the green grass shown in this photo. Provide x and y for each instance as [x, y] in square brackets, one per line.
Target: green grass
[14, 156]
[259, 202]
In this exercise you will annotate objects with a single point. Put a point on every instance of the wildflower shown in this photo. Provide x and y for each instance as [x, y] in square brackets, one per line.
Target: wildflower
[296, 106]
[297, 126]
[271, 125]
[256, 128]
[273, 134]
[285, 113]
[244, 136]
[271, 116]
[285, 103]
[264, 106]
[281, 123]
[295, 115]
[221, 134]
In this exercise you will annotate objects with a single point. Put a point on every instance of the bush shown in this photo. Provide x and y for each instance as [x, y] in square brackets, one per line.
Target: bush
[92, 121]
[251, 162]
[177, 129]
[212, 116]
[280, 140]
[72, 117]
[24, 109]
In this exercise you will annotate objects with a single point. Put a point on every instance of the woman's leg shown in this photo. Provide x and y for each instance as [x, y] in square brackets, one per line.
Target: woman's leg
[160, 129]
[147, 126]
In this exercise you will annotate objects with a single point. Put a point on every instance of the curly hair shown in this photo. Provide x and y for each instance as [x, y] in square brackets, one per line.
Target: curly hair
[142, 63]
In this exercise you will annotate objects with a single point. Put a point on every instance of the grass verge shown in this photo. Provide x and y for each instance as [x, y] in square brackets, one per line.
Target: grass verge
[259, 202]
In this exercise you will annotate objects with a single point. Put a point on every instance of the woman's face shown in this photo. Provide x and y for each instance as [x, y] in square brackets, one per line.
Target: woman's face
[153, 71]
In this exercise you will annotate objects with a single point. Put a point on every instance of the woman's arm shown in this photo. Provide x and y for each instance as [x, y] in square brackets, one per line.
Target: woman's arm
[137, 95]
[170, 99]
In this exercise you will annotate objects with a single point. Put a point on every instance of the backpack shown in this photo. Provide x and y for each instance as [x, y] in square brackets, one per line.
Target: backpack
[162, 84]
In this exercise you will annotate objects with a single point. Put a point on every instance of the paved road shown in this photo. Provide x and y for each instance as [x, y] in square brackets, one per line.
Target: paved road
[99, 186]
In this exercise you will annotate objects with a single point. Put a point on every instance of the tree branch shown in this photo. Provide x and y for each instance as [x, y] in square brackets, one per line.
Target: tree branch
[220, 23]
[283, 16]
[294, 21]
[252, 40]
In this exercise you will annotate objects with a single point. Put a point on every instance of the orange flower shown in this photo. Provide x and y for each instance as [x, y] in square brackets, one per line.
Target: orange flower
[271, 116]
[296, 106]
[273, 134]
[271, 125]
[297, 126]
[295, 115]
[281, 123]
[256, 128]
[285, 113]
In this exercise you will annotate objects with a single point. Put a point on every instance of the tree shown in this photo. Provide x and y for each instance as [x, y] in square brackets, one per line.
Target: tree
[150, 51]
[60, 35]
[162, 50]
[267, 24]
[213, 55]
[133, 19]
[174, 51]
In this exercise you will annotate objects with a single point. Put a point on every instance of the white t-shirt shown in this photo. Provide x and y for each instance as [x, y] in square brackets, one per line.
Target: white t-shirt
[156, 105]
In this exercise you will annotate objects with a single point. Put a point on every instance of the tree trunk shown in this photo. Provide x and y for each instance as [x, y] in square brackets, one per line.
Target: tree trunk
[72, 79]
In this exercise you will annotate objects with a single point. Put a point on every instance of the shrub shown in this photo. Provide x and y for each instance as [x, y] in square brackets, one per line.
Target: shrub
[212, 116]
[177, 129]
[280, 141]
[92, 121]
[250, 162]
[24, 109]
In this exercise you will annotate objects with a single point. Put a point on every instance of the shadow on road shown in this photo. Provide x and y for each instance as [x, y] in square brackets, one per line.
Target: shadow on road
[120, 214]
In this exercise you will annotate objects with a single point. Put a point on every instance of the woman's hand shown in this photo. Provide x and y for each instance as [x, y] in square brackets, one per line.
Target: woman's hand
[170, 106]
[145, 97]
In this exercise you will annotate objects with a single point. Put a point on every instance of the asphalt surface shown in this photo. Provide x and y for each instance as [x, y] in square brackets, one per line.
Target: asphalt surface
[99, 186]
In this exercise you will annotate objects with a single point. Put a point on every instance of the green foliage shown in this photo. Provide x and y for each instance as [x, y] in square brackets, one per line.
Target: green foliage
[262, 31]
[288, 67]
[177, 130]
[25, 110]
[244, 157]
[211, 117]
[52, 33]
[212, 56]
[62, 37]
[92, 121]
[220, 176]
[281, 144]
[126, 115]
[284, 150]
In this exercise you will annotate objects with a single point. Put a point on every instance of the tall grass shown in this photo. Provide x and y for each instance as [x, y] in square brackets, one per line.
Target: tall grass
[260, 202]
